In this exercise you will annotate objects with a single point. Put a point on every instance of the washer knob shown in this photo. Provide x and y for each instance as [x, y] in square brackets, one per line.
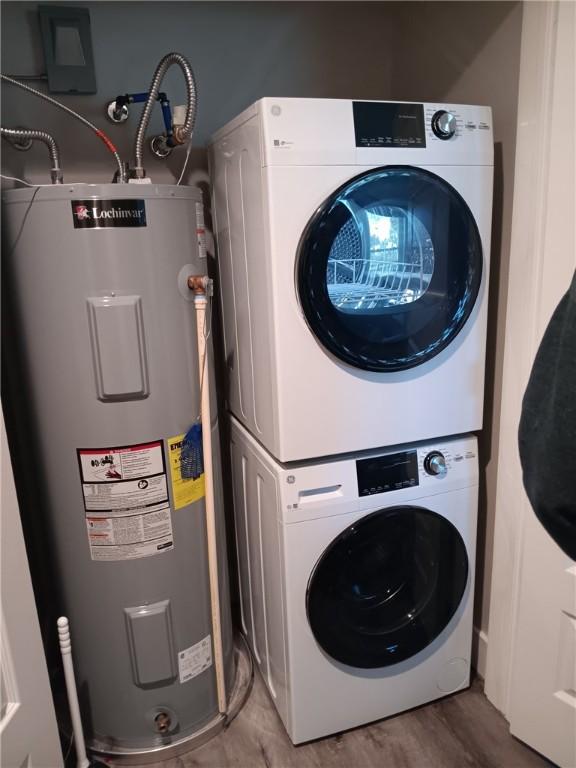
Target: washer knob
[444, 124]
[435, 464]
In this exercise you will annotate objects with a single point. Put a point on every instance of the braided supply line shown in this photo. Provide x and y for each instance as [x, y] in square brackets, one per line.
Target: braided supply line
[182, 133]
[101, 135]
[46, 138]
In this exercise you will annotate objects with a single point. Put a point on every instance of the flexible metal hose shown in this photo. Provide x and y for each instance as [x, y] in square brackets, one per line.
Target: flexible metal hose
[23, 133]
[184, 132]
[101, 135]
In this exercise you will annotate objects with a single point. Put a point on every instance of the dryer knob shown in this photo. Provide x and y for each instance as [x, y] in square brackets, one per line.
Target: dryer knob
[435, 464]
[444, 124]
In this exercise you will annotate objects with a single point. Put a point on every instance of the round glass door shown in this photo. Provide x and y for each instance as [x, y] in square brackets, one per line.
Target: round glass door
[389, 268]
[387, 586]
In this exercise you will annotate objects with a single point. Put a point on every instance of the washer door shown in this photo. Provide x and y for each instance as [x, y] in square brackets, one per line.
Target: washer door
[389, 268]
[387, 586]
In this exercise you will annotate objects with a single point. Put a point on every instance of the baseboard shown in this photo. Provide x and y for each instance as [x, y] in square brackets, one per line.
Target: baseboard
[479, 650]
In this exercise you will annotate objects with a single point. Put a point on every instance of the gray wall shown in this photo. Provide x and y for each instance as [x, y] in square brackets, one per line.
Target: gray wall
[239, 51]
[453, 51]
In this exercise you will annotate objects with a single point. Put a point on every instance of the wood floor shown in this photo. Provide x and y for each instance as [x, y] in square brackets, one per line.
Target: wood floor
[461, 731]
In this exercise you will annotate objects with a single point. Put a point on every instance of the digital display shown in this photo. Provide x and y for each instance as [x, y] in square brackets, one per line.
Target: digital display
[381, 124]
[382, 474]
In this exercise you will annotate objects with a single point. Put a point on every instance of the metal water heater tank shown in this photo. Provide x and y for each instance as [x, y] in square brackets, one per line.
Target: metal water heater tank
[106, 327]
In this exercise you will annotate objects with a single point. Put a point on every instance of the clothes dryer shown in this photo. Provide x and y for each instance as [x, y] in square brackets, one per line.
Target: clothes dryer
[353, 247]
[357, 578]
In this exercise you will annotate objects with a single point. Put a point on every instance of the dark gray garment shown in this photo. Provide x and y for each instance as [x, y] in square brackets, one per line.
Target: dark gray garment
[547, 435]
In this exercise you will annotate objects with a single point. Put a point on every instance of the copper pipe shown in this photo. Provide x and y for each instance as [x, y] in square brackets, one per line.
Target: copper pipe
[198, 284]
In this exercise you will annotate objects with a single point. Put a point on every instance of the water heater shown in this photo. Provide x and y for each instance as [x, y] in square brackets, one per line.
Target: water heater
[106, 330]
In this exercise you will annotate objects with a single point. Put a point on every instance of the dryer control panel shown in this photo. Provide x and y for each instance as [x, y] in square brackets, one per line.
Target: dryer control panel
[389, 124]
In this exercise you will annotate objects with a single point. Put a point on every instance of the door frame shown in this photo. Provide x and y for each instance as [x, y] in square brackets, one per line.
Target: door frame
[28, 727]
[532, 297]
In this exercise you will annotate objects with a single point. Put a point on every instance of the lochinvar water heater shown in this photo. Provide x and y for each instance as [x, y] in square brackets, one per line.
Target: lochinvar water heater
[106, 329]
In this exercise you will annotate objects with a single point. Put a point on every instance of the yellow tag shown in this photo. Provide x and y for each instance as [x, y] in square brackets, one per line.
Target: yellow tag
[184, 491]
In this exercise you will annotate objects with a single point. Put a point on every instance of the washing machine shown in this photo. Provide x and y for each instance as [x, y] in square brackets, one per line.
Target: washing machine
[353, 244]
[357, 578]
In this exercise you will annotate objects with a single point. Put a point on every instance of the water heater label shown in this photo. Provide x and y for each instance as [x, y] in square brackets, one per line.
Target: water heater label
[184, 490]
[125, 491]
[194, 660]
[103, 214]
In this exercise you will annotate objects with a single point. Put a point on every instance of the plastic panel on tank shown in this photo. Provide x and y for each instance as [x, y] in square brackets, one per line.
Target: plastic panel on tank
[151, 643]
[118, 349]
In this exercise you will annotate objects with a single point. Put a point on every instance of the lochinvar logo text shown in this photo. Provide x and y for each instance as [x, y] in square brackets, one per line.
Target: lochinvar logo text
[103, 214]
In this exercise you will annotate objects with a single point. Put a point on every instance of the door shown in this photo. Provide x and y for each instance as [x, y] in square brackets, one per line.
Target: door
[543, 681]
[389, 268]
[531, 652]
[387, 586]
[28, 731]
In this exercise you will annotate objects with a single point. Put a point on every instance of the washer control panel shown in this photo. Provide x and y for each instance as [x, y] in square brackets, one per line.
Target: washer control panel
[418, 466]
[391, 472]
[435, 464]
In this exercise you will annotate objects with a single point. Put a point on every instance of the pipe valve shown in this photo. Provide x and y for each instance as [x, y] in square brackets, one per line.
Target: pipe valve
[163, 722]
[201, 285]
[117, 112]
[160, 147]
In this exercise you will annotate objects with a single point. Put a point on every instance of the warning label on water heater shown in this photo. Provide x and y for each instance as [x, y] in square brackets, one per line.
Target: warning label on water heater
[185, 490]
[126, 501]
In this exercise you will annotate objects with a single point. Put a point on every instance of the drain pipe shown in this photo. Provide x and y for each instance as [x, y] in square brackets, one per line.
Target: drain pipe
[182, 133]
[201, 285]
[82, 759]
[23, 133]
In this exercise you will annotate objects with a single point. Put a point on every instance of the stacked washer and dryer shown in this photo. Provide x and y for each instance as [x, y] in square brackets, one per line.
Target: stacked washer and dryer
[353, 248]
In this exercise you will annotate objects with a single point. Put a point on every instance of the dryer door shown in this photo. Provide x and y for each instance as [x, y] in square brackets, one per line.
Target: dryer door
[389, 268]
[387, 586]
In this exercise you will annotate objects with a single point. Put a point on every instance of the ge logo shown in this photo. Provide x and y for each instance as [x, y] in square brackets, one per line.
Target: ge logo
[291, 479]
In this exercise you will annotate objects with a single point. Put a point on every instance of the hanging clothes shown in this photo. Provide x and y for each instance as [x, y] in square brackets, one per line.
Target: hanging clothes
[547, 434]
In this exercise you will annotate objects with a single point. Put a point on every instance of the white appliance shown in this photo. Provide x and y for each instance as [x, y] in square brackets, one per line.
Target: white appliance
[353, 247]
[357, 578]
